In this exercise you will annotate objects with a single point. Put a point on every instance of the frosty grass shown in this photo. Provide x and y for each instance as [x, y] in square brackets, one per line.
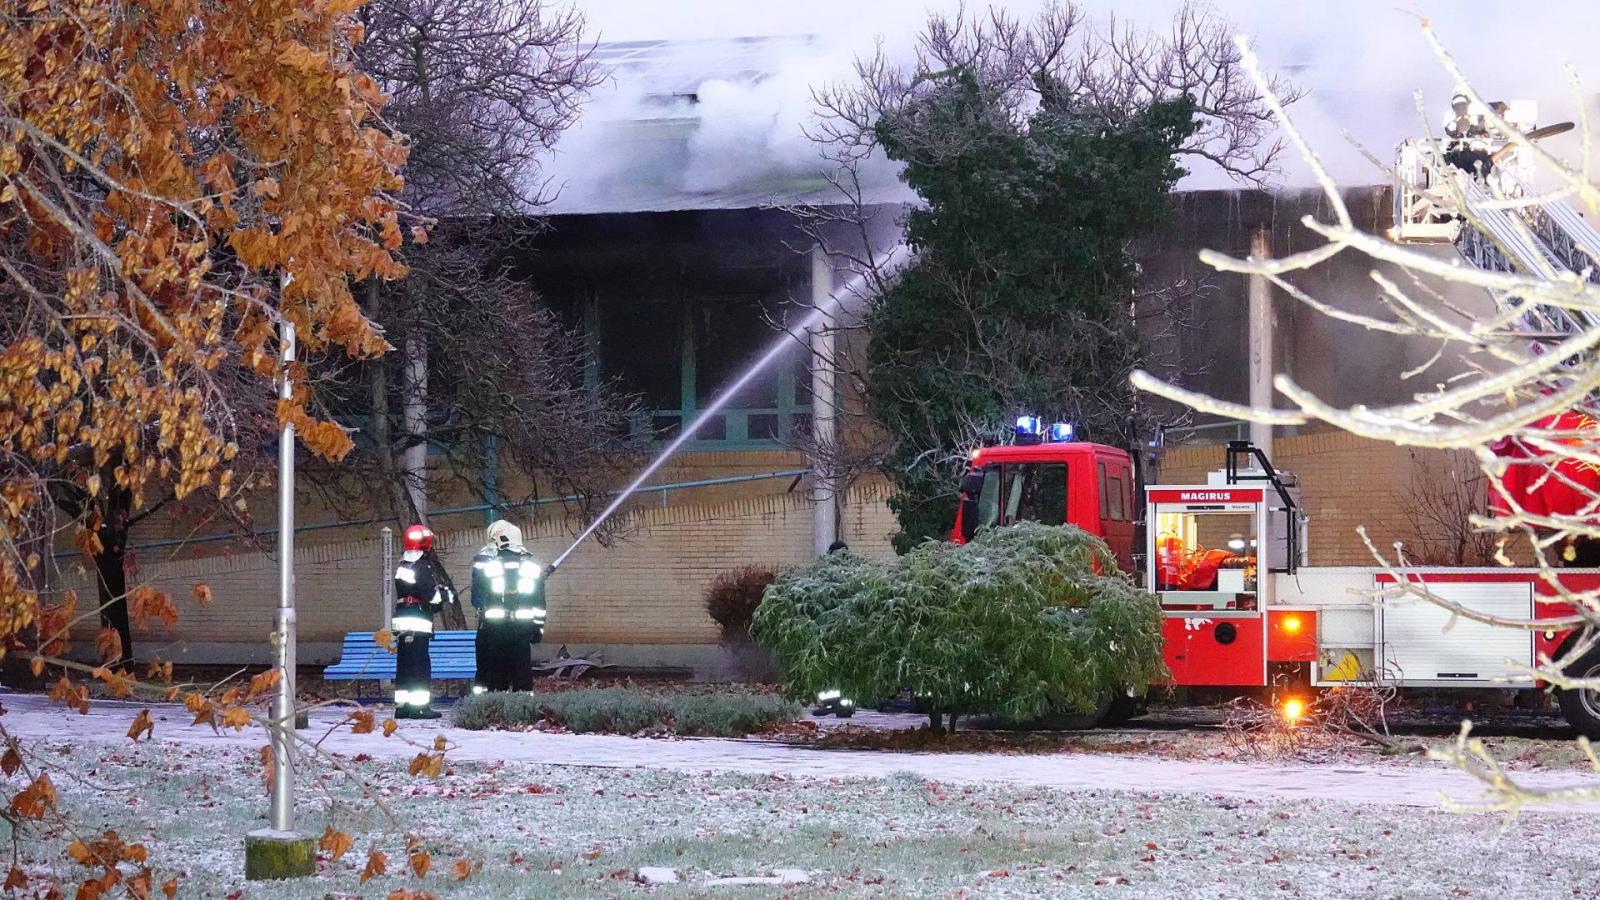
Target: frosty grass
[545, 831]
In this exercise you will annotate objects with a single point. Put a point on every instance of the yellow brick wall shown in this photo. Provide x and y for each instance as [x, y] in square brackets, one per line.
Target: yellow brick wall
[643, 589]
[178, 521]
[1345, 482]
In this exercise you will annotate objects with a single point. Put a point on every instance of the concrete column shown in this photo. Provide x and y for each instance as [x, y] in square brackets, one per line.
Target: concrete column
[825, 510]
[1261, 356]
[1262, 368]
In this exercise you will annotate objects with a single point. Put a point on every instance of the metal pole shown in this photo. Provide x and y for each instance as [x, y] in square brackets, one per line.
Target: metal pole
[283, 702]
[825, 512]
[386, 579]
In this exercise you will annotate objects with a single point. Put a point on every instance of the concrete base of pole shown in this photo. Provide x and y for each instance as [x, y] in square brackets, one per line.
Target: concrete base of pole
[271, 855]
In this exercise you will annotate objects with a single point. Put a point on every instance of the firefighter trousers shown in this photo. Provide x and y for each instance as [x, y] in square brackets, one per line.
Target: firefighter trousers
[413, 668]
[503, 659]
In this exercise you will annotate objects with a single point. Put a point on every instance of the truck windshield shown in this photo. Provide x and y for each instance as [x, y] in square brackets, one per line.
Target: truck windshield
[1018, 492]
[988, 501]
[1036, 492]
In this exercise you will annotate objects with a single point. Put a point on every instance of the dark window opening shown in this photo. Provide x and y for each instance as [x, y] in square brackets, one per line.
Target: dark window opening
[678, 357]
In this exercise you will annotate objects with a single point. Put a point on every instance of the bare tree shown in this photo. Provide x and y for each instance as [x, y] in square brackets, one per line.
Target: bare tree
[482, 89]
[487, 378]
[1532, 368]
[1442, 494]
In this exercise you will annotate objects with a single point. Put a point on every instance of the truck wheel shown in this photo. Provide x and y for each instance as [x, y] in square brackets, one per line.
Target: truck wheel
[1582, 707]
[1124, 708]
[1077, 721]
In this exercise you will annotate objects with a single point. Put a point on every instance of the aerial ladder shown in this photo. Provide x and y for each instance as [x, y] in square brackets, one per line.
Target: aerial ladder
[1482, 203]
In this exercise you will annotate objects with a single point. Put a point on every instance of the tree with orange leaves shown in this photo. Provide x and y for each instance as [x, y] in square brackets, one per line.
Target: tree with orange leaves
[177, 177]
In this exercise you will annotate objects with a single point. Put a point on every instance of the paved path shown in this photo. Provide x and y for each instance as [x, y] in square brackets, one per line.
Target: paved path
[32, 716]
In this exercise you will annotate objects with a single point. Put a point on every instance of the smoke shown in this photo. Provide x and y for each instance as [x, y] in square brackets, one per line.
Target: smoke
[1363, 62]
[756, 131]
[645, 143]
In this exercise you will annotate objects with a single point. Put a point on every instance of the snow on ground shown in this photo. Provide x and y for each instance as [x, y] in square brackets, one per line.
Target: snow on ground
[568, 816]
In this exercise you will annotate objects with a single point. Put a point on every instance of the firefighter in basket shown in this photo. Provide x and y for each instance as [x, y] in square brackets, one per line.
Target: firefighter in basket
[421, 588]
[508, 593]
[1468, 149]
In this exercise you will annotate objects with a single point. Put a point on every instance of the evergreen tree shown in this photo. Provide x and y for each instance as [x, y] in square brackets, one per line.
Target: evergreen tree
[1020, 296]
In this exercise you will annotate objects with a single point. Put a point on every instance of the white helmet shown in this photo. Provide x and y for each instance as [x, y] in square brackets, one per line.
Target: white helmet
[504, 535]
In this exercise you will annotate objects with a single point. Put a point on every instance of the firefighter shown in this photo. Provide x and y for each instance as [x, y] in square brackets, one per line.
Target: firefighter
[421, 588]
[1468, 149]
[508, 592]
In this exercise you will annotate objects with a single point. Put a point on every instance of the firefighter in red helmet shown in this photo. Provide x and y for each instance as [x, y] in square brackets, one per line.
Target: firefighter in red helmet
[421, 588]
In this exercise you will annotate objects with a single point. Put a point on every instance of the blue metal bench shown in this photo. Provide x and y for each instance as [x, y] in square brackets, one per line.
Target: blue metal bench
[453, 653]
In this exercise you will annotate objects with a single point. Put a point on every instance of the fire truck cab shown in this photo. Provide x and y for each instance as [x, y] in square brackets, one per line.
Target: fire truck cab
[1058, 483]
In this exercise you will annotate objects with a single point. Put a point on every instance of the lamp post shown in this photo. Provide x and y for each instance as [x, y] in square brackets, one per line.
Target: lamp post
[279, 851]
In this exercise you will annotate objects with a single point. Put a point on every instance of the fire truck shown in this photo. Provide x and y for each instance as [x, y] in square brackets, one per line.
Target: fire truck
[1227, 559]
[1240, 607]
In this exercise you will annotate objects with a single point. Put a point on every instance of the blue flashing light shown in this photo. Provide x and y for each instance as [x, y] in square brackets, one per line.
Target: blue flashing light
[1029, 425]
[1061, 432]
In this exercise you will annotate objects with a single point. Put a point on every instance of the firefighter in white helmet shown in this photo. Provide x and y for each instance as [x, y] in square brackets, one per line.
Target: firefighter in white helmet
[1468, 149]
[508, 593]
[421, 588]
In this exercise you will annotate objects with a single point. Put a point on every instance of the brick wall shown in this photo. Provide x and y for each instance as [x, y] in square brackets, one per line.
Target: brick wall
[1345, 481]
[643, 589]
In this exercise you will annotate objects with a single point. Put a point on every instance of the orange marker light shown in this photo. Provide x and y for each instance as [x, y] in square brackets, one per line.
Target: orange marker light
[1294, 709]
[1291, 624]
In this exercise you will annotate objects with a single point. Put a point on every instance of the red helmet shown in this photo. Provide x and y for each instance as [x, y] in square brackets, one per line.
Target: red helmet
[418, 537]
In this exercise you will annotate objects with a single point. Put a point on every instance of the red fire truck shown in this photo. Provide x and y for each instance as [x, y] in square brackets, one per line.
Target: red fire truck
[1242, 609]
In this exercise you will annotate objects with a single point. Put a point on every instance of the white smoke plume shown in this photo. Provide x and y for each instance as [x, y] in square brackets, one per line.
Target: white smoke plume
[1360, 60]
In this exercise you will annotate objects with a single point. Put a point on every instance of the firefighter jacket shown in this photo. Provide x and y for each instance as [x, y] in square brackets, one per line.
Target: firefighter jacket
[507, 586]
[420, 589]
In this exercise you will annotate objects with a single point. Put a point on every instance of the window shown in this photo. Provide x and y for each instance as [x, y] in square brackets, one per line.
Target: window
[1105, 497]
[989, 499]
[679, 356]
[1036, 492]
[1019, 492]
[1114, 495]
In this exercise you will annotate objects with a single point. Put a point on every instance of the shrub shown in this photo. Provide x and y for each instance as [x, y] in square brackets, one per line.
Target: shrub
[1020, 622]
[733, 597]
[626, 710]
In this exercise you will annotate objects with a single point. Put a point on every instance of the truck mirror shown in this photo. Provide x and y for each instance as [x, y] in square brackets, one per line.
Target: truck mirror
[972, 485]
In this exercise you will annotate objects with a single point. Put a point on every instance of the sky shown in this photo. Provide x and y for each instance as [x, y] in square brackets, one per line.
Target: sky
[1361, 61]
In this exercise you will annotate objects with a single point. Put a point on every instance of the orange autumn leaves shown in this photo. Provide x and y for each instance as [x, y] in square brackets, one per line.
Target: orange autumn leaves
[171, 184]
